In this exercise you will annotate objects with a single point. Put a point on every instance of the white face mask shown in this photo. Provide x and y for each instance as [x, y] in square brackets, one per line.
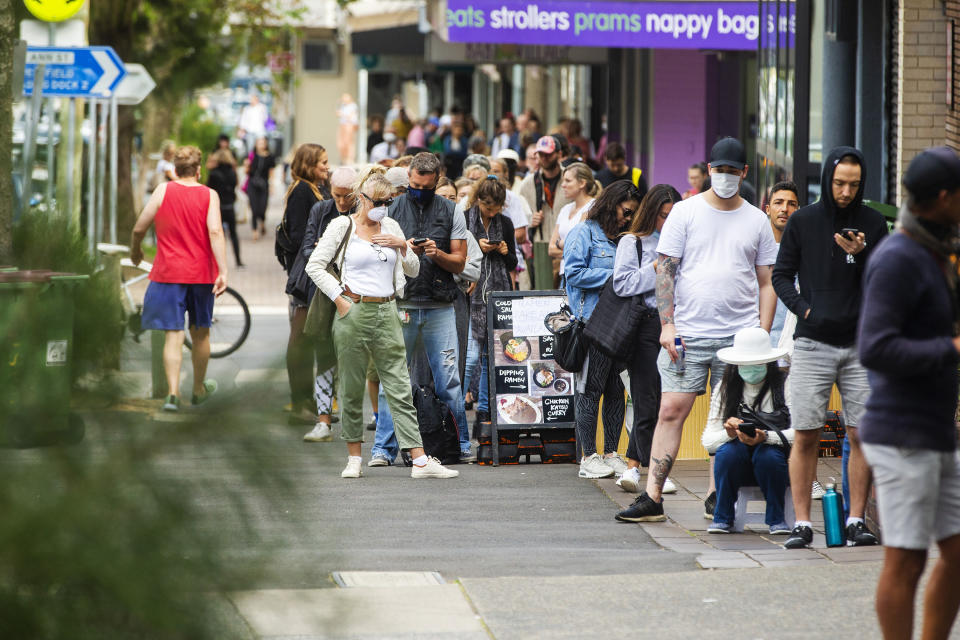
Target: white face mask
[377, 214]
[390, 137]
[725, 185]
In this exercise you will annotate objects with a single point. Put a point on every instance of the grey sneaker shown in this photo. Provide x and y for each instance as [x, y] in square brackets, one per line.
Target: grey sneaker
[616, 463]
[594, 467]
[466, 457]
[379, 460]
[816, 492]
[172, 404]
[209, 388]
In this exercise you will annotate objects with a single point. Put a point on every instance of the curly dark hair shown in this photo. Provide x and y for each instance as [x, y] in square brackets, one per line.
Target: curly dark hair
[604, 209]
[644, 220]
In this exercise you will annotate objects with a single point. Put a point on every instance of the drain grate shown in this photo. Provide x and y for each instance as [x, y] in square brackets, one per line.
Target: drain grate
[375, 579]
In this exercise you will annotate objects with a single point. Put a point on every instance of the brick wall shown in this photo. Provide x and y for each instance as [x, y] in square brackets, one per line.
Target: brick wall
[921, 88]
[953, 111]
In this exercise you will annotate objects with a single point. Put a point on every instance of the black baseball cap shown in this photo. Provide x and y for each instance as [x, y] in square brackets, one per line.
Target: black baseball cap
[932, 171]
[728, 152]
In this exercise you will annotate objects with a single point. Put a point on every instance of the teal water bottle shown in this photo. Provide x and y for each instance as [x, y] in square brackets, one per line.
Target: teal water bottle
[833, 516]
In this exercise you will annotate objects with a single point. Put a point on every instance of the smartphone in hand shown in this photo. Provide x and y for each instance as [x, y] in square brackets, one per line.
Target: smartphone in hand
[850, 233]
[748, 429]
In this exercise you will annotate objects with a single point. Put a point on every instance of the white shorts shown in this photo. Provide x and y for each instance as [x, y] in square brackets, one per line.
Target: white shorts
[918, 494]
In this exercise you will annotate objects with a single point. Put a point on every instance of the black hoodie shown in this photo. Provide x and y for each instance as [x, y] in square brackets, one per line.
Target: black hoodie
[830, 287]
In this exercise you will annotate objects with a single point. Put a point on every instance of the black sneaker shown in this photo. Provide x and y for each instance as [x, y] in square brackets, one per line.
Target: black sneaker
[483, 416]
[800, 537]
[859, 536]
[643, 509]
[372, 426]
[709, 505]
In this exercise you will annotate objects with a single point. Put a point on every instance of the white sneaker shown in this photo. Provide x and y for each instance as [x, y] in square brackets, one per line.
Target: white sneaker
[320, 433]
[668, 486]
[817, 491]
[616, 463]
[630, 480]
[433, 469]
[353, 468]
[594, 467]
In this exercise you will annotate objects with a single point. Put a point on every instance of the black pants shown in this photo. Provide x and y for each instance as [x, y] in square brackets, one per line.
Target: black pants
[603, 379]
[258, 206]
[645, 389]
[229, 219]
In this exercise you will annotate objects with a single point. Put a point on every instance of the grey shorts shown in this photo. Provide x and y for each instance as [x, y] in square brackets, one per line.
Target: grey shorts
[918, 494]
[700, 360]
[814, 368]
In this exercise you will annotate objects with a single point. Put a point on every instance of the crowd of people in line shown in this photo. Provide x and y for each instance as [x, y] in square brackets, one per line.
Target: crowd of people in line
[390, 270]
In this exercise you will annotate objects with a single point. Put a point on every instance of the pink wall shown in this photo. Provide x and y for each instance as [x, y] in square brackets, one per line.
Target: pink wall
[679, 115]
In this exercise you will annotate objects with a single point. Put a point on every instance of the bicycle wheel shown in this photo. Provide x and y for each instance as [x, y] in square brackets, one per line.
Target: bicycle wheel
[230, 326]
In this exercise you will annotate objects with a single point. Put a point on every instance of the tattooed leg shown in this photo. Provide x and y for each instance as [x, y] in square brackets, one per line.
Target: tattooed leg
[674, 408]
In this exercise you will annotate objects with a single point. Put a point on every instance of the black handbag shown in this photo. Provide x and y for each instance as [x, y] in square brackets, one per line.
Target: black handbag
[569, 344]
[613, 326]
[776, 421]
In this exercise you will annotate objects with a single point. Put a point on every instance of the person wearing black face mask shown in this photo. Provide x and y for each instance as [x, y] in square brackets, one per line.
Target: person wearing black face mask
[439, 235]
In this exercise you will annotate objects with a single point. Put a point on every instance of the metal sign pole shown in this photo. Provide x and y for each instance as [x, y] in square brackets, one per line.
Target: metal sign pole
[71, 134]
[30, 137]
[113, 168]
[101, 165]
[51, 121]
[92, 176]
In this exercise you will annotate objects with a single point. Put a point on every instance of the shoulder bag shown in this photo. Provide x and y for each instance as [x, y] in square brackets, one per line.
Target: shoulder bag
[613, 326]
[569, 344]
[320, 312]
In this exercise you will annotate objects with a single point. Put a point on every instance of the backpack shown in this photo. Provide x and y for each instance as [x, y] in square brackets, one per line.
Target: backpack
[438, 428]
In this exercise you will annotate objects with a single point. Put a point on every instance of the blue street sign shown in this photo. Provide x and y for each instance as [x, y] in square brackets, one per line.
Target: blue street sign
[74, 72]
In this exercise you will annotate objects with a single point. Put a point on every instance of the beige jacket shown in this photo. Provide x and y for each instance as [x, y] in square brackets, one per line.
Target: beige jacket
[528, 190]
[408, 265]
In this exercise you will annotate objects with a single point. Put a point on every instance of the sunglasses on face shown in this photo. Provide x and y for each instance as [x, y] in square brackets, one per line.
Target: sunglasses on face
[378, 203]
[628, 213]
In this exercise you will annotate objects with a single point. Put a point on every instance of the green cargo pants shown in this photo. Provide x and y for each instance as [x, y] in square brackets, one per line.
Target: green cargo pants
[371, 331]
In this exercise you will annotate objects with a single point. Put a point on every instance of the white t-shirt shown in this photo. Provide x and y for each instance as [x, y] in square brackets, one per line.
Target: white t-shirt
[253, 119]
[363, 270]
[716, 290]
[567, 219]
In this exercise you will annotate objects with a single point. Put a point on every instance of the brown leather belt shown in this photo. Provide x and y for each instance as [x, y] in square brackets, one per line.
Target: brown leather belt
[375, 299]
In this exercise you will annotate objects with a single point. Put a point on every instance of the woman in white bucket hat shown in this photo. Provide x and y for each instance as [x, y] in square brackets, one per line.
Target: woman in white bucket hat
[753, 381]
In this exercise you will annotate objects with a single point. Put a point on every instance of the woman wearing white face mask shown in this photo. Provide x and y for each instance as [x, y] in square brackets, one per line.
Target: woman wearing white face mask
[747, 453]
[373, 266]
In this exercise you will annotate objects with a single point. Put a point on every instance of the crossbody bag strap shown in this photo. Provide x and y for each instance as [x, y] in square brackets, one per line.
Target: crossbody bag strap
[340, 256]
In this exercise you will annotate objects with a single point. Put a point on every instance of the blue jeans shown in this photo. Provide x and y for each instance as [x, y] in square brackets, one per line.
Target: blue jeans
[474, 355]
[737, 465]
[435, 331]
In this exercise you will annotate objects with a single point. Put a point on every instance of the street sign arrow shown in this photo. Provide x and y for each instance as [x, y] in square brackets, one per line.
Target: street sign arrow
[74, 72]
[136, 86]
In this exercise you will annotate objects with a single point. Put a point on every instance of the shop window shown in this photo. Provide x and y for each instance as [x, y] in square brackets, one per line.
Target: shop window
[321, 56]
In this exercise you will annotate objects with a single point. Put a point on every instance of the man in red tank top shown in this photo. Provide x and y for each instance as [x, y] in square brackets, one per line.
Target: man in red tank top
[190, 270]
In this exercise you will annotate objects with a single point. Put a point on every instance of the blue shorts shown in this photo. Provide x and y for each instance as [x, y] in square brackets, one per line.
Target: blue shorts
[165, 303]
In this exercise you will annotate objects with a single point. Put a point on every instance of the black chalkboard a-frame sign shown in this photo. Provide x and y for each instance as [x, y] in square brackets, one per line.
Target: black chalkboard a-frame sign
[528, 389]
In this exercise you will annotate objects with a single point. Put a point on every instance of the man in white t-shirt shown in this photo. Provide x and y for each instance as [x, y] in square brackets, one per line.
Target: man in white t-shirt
[253, 120]
[716, 257]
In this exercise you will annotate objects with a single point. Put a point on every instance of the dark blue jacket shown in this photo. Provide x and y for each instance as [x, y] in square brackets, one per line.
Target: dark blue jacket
[906, 344]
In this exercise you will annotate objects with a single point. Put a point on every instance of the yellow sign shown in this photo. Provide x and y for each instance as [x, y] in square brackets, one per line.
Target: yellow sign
[53, 10]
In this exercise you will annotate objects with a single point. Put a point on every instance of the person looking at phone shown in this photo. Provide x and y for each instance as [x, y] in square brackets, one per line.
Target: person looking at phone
[715, 255]
[825, 247]
[426, 309]
[747, 453]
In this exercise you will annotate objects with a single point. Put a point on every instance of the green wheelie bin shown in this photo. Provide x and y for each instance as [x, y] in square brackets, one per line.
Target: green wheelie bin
[36, 340]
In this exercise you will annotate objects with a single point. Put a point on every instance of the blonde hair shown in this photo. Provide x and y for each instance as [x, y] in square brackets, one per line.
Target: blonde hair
[223, 156]
[372, 179]
[591, 187]
[186, 161]
[167, 149]
[403, 161]
[301, 169]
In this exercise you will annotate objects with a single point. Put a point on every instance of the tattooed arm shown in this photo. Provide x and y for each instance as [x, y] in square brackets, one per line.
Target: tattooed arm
[666, 284]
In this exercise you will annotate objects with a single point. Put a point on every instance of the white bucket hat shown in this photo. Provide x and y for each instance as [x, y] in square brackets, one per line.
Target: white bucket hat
[751, 346]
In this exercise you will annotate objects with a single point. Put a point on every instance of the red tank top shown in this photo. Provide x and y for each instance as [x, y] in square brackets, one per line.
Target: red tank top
[184, 255]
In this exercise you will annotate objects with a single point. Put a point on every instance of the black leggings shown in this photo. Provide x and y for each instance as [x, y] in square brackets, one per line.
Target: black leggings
[645, 389]
[603, 379]
[229, 219]
[258, 206]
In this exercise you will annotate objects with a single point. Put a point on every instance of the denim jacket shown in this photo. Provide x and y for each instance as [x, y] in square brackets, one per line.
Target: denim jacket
[588, 257]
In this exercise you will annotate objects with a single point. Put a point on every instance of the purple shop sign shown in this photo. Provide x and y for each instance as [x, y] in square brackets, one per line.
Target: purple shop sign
[635, 25]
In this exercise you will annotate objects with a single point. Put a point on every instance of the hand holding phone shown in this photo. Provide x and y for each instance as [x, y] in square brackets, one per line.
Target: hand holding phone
[419, 241]
[748, 428]
[850, 233]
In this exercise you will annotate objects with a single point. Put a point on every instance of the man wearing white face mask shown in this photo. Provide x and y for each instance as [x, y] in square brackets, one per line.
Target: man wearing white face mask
[390, 149]
[716, 255]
